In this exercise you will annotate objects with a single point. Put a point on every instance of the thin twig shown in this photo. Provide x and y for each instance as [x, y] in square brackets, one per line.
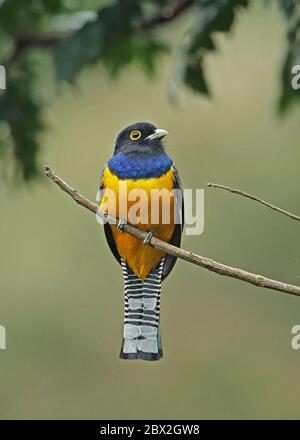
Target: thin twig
[207, 263]
[256, 199]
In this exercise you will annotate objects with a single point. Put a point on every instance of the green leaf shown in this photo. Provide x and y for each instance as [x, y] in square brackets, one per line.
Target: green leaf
[143, 51]
[194, 77]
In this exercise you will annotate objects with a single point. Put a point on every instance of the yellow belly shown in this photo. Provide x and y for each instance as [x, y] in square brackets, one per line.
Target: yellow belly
[140, 258]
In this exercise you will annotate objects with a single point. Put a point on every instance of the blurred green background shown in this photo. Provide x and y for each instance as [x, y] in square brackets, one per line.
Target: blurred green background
[227, 344]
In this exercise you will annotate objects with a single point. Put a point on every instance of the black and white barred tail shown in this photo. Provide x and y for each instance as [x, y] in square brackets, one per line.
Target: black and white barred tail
[141, 337]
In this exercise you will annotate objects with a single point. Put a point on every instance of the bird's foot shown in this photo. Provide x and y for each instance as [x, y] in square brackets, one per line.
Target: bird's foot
[120, 225]
[148, 238]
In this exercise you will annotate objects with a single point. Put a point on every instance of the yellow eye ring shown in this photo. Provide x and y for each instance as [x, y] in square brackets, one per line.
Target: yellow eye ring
[135, 135]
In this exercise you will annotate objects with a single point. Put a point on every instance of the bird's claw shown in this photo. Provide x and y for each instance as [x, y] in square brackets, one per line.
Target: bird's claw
[120, 225]
[148, 238]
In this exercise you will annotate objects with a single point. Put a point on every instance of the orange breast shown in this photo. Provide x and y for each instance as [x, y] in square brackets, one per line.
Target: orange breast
[147, 209]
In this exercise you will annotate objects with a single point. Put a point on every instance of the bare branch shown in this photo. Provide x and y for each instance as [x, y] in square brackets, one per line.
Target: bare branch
[207, 263]
[171, 14]
[28, 40]
[256, 199]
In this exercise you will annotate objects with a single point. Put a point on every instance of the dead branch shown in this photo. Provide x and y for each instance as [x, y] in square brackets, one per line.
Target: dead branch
[207, 263]
[256, 199]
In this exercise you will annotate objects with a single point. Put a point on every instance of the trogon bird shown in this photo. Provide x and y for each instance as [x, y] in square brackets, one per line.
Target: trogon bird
[141, 162]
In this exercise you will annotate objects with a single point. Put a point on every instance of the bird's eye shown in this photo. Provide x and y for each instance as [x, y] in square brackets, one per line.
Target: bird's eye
[135, 135]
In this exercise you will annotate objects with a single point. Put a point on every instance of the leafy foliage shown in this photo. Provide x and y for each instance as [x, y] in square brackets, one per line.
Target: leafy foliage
[20, 109]
[78, 33]
[111, 38]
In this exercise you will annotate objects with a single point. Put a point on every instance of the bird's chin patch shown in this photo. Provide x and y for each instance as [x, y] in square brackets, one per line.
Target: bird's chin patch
[148, 148]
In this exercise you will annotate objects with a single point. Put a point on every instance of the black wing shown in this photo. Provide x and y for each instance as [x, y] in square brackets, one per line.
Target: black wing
[107, 229]
[176, 238]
